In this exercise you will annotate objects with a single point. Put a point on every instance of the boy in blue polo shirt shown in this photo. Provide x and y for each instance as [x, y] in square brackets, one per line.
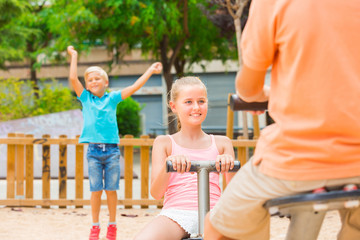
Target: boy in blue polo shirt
[101, 132]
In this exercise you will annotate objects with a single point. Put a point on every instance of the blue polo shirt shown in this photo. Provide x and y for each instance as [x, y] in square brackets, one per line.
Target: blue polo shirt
[99, 114]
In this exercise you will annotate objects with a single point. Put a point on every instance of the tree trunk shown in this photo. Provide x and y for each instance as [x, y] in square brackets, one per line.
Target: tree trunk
[168, 62]
[179, 65]
[168, 81]
[33, 77]
[172, 122]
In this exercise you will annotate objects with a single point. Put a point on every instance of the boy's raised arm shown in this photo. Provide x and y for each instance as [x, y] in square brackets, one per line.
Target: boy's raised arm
[73, 76]
[155, 68]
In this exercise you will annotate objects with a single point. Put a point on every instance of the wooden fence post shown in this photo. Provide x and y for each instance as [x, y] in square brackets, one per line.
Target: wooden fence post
[256, 127]
[46, 170]
[79, 171]
[242, 157]
[229, 120]
[129, 160]
[10, 175]
[20, 168]
[29, 175]
[62, 169]
[144, 162]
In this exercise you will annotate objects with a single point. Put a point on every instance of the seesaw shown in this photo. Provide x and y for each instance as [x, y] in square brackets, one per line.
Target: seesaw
[202, 168]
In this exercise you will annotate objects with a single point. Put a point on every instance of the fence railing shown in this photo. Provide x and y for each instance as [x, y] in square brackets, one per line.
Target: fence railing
[20, 170]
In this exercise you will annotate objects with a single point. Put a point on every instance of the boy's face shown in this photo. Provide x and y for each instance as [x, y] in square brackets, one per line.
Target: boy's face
[96, 84]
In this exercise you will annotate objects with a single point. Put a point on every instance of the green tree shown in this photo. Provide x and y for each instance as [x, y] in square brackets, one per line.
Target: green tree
[38, 31]
[12, 34]
[179, 33]
[51, 24]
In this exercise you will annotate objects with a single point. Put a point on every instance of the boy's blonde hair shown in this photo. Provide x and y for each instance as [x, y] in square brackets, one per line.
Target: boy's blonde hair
[97, 69]
[181, 82]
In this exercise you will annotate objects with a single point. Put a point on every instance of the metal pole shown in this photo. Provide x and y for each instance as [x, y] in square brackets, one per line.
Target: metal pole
[203, 197]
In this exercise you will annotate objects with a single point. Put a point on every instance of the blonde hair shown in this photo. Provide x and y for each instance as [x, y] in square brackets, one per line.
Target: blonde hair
[179, 84]
[97, 69]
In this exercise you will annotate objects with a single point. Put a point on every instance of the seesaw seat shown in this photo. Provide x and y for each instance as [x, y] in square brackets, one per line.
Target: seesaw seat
[307, 211]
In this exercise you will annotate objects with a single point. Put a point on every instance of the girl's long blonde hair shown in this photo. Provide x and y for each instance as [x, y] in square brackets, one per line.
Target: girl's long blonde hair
[179, 84]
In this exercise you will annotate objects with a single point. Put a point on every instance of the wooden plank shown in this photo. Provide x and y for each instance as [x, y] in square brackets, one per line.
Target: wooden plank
[79, 171]
[10, 175]
[123, 141]
[241, 142]
[229, 120]
[128, 173]
[62, 170]
[256, 127]
[29, 172]
[56, 141]
[75, 202]
[144, 163]
[242, 153]
[43, 141]
[46, 170]
[20, 169]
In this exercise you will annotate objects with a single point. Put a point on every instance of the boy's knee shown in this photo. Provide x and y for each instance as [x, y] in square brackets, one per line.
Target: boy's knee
[110, 193]
[97, 193]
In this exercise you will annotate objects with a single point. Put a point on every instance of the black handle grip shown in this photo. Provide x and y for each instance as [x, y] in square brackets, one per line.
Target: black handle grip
[237, 104]
[197, 165]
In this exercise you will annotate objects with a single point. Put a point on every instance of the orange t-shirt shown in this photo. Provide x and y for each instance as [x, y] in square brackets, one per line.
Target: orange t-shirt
[314, 50]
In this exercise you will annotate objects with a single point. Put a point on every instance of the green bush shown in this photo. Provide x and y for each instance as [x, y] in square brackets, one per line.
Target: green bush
[17, 99]
[128, 117]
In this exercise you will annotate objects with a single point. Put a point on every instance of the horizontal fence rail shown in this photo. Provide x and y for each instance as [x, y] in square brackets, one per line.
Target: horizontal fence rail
[20, 170]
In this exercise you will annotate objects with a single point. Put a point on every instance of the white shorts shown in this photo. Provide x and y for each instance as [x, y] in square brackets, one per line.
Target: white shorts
[187, 219]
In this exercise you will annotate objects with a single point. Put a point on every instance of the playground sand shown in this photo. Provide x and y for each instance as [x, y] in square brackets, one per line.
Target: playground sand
[68, 224]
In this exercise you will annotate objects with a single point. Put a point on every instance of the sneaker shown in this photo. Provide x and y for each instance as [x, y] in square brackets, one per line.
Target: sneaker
[94, 233]
[350, 187]
[111, 232]
[319, 190]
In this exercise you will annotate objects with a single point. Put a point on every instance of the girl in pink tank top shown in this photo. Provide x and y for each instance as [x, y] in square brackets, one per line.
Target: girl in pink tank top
[178, 218]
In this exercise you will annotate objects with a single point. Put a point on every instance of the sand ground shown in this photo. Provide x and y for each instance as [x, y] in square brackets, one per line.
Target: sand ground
[70, 223]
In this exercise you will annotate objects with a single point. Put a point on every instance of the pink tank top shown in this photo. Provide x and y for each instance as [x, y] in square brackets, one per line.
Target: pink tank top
[181, 192]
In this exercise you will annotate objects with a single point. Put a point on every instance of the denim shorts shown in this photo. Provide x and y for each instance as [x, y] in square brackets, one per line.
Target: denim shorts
[104, 166]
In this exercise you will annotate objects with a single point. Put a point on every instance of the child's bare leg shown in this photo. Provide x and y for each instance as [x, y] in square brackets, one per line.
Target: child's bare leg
[162, 228]
[95, 202]
[112, 203]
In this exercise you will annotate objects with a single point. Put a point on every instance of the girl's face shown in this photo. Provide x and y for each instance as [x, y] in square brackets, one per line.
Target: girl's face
[96, 84]
[191, 105]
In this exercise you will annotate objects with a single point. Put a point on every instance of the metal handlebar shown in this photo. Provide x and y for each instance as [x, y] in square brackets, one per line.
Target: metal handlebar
[237, 104]
[202, 168]
[198, 165]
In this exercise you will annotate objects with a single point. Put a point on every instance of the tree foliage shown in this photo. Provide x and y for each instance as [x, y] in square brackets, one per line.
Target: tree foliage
[179, 33]
[12, 34]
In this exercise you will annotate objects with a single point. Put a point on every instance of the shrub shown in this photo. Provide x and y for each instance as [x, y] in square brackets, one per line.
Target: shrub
[128, 117]
[17, 99]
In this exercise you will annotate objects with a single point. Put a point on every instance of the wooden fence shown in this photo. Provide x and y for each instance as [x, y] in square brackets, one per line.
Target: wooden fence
[20, 170]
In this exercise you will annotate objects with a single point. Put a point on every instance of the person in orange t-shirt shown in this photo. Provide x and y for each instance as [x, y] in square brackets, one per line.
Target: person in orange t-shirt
[314, 51]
